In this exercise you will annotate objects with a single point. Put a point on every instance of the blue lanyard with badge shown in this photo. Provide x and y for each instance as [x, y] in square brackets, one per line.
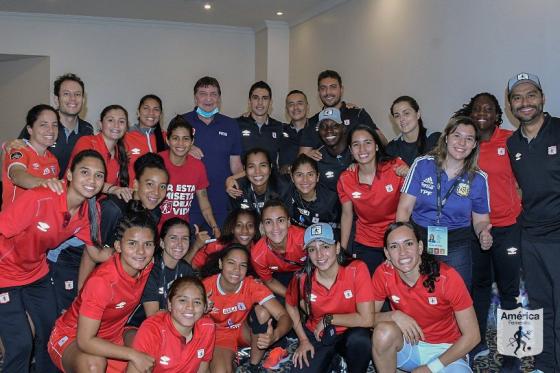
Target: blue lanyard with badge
[437, 235]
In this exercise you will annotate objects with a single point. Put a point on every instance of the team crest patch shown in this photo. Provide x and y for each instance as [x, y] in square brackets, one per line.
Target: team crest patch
[273, 135]
[16, 155]
[520, 332]
[347, 294]
[432, 300]
[200, 353]
[501, 151]
[4, 298]
[69, 285]
[463, 189]
[389, 188]
[552, 150]
[346, 122]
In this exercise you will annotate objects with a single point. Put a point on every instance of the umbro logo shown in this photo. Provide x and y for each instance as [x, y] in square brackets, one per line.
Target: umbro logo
[135, 151]
[356, 195]
[120, 305]
[246, 133]
[164, 360]
[312, 297]
[395, 299]
[43, 227]
[329, 174]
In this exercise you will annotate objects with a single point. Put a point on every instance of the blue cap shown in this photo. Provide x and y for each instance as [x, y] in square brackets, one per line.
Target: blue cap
[331, 113]
[320, 231]
[524, 78]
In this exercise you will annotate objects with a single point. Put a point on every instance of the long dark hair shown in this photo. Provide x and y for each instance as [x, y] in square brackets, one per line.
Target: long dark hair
[122, 155]
[161, 145]
[230, 222]
[93, 211]
[429, 266]
[212, 264]
[381, 155]
[32, 116]
[422, 131]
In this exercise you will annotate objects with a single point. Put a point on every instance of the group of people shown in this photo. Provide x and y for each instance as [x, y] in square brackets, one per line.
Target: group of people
[318, 229]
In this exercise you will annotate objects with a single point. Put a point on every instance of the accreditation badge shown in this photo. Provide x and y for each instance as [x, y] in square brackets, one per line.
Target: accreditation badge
[437, 240]
[463, 189]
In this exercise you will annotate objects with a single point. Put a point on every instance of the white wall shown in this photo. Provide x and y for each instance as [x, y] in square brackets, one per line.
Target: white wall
[441, 52]
[24, 83]
[121, 60]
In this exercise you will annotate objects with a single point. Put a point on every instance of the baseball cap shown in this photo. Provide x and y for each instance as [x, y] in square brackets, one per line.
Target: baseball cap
[320, 231]
[331, 113]
[524, 78]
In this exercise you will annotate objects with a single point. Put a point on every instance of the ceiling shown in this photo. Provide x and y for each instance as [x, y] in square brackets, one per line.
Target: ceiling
[238, 13]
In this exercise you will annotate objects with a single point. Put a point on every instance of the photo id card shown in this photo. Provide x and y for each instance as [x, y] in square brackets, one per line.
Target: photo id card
[437, 240]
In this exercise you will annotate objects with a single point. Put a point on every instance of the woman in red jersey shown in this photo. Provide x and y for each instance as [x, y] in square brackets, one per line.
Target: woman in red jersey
[240, 227]
[38, 220]
[110, 144]
[503, 260]
[89, 336]
[371, 191]
[187, 176]
[146, 136]
[243, 309]
[32, 165]
[182, 339]
[432, 324]
[335, 297]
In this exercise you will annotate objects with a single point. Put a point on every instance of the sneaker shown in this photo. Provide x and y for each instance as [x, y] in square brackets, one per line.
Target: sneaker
[276, 357]
[510, 364]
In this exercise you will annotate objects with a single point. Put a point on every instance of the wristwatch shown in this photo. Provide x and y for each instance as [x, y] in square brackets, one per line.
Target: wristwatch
[327, 319]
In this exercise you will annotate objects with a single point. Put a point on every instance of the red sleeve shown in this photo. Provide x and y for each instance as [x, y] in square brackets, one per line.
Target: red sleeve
[210, 333]
[200, 257]
[83, 143]
[96, 295]
[261, 269]
[378, 284]
[292, 292]
[203, 177]
[148, 338]
[456, 291]
[400, 162]
[12, 221]
[259, 293]
[362, 281]
[340, 188]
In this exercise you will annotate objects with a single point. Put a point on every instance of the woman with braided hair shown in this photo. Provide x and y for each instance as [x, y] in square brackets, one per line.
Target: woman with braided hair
[432, 325]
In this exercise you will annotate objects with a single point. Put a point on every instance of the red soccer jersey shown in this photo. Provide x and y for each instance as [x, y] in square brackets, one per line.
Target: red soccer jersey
[202, 255]
[44, 166]
[184, 181]
[352, 286]
[158, 337]
[33, 224]
[375, 205]
[137, 144]
[109, 295]
[96, 142]
[265, 261]
[230, 310]
[434, 312]
[505, 203]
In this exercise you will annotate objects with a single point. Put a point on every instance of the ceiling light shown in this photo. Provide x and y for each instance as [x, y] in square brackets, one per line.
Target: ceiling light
[207, 6]
[279, 13]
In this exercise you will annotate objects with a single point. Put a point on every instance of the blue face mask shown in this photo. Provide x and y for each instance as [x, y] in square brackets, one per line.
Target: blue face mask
[207, 114]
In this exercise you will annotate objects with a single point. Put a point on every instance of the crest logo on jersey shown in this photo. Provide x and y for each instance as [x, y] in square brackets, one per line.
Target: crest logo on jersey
[62, 340]
[36, 165]
[16, 155]
[120, 305]
[164, 360]
[69, 285]
[501, 151]
[241, 306]
[43, 227]
[347, 294]
[246, 133]
[432, 300]
[463, 189]
[389, 188]
[520, 332]
[273, 135]
[346, 122]
[200, 353]
[552, 150]
[4, 298]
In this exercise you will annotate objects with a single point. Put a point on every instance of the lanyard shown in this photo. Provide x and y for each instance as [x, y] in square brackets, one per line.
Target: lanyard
[164, 285]
[442, 201]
